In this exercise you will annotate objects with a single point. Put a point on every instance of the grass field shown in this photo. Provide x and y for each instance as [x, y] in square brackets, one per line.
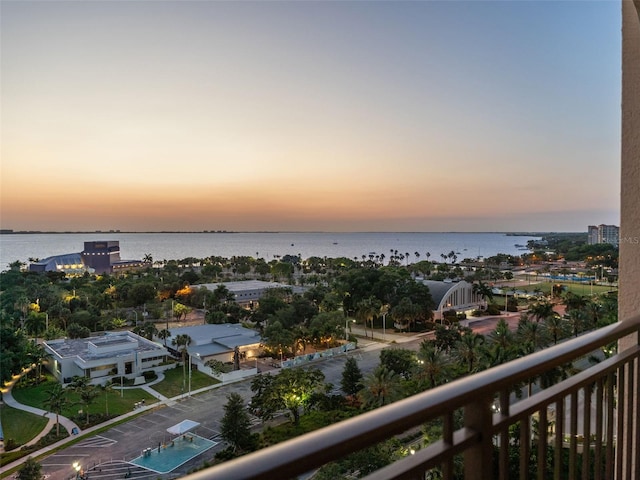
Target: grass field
[116, 403]
[20, 426]
[576, 288]
[171, 386]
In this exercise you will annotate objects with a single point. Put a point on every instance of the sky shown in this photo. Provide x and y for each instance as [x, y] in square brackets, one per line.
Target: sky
[309, 115]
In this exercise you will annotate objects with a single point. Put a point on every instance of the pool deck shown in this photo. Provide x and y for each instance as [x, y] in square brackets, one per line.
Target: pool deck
[167, 457]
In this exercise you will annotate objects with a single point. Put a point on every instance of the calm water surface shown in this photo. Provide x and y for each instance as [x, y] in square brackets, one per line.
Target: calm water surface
[168, 246]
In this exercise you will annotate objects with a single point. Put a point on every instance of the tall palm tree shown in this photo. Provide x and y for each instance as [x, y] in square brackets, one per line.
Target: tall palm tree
[87, 391]
[38, 355]
[483, 290]
[35, 324]
[469, 350]
[56, 402]
[163, 335]
[434, 363]
[542, 311]
[366, 311]
[182, 342]
[502, 343]
[532, 336]
[381, 387]
[405, 313]
[577, 319]
[556, 327]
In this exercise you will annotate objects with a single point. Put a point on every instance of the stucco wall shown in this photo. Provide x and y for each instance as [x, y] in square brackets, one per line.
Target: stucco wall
[629, 294]
[629, 300]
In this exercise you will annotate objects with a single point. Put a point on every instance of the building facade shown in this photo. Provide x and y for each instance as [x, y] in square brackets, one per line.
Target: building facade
[97, 257]
[100, 358]
[458, 296]
[216, 342]
[249, 292]
[603, 234]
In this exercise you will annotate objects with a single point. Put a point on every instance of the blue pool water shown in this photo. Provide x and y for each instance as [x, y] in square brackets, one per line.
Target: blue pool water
[174, 454]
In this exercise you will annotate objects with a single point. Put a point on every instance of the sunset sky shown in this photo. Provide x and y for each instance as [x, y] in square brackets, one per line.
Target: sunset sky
[310, 116]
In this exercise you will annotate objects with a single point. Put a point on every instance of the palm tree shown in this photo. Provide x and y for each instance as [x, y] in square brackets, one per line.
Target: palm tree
[434, 363]
[86, 390]
[366, 311]
[502, 343]
[542, 311]
[556, 327]
[483, 290]
[182, 343]
[381, 387]
[468, 350]
[577, 320]
[35, 324]
[107, 389]
[38, 355]
[163, 335]
[56, 402]
[531, 335]
[405, 313]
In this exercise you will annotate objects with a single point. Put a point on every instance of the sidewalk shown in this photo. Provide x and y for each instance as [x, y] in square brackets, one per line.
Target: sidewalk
[12, 402]
[163, 401]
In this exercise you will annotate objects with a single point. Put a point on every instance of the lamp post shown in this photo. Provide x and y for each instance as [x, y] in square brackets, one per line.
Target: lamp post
[505, 301]
[189, 374]
[384, 310]
[346, 326]
[76, 467]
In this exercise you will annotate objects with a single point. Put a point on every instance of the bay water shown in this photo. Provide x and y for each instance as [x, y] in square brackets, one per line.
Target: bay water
[176, 246]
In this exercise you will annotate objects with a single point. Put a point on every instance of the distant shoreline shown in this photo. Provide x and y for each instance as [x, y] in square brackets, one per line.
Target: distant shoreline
[117, 232]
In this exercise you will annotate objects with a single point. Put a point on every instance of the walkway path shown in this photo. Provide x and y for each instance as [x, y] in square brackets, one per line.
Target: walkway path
[365, 345]
[147, 387]
[12, 402]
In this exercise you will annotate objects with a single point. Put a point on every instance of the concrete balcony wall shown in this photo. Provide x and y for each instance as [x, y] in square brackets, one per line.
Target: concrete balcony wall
[629, 299]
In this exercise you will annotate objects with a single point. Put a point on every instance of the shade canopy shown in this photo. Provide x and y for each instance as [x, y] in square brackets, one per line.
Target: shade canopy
[182, 427]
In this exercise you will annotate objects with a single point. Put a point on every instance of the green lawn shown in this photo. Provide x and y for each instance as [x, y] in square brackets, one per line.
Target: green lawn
[171, 386]
[576, 288]
[20, 426]
[117, 404]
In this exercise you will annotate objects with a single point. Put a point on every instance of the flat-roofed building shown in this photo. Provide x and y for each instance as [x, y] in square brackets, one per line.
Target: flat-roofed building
[97, 257]
[247, 292]
[217, 342]
[102, 357]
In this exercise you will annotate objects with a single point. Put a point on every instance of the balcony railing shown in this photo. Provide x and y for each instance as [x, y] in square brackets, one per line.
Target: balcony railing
[583, 427]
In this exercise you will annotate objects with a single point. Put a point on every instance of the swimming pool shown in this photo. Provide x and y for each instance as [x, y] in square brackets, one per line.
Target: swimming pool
[173, 454]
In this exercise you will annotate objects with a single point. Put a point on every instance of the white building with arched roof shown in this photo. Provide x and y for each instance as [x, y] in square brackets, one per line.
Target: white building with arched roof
[458, 296]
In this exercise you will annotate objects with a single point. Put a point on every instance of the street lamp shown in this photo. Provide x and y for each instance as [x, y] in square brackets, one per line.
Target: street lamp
[77, 468]
[346, 326]
[384, 322]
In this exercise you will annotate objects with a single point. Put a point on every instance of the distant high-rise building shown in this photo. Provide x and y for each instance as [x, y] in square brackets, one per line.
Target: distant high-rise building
[592, 234]
[603, 234]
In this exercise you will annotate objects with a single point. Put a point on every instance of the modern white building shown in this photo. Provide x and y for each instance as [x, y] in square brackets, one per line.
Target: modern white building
[458, 296]
[103, 357]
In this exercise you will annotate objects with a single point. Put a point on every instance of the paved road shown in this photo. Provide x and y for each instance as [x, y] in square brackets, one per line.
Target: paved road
[105, 456]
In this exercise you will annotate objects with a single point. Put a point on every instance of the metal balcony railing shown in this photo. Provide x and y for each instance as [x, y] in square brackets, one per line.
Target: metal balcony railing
[585, 426]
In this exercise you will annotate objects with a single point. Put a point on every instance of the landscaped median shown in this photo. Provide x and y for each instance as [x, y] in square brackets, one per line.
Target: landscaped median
[175, 383]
